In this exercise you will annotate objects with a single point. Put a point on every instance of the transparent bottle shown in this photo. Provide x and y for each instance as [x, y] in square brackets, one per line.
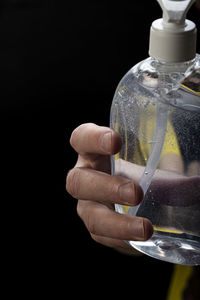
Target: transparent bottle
[156, 110]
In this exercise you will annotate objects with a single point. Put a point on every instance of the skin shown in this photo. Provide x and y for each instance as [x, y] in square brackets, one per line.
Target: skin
[96, 190]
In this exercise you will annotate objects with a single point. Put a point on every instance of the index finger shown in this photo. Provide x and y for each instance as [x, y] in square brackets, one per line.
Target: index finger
[90, 138]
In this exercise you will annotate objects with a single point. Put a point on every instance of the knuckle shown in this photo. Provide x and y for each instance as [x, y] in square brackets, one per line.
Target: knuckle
[72, 182]
[112, 189]
[113, 192]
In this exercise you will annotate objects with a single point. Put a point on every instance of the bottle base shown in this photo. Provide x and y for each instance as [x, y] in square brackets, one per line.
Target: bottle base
[173, 249]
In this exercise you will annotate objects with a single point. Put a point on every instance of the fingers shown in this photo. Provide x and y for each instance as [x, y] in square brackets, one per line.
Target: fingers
[106, 223]
[99, 190]
[92, 139]
[86, 184]
[110, 242]
[119, 245]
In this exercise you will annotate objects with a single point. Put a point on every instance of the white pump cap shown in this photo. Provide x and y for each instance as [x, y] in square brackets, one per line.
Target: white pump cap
[173, 38]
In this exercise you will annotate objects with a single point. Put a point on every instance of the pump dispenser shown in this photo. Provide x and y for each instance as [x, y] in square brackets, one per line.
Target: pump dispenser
[173, 38]
[156, 110]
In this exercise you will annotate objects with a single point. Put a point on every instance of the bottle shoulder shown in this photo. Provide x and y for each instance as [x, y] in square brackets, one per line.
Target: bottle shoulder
[141, 78]
[152, 78]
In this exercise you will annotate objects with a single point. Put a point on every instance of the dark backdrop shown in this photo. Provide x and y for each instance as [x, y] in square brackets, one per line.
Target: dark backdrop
[60, 62]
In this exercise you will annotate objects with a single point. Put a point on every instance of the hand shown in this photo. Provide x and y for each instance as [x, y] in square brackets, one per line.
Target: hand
[177, 189]
[90, 182]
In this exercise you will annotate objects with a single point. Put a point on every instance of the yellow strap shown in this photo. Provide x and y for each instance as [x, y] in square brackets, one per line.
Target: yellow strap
[191, 90]
[179, 281]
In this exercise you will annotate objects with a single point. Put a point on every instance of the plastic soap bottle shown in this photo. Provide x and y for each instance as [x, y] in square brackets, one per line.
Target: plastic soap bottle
[156, 110]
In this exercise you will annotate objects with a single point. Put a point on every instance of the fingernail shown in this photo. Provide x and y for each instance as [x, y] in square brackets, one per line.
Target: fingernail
[130, 193]
[127, 193]
[106, 142]
[142, 229]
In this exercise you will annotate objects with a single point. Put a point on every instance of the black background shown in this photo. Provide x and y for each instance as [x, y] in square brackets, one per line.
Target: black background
[60, 62]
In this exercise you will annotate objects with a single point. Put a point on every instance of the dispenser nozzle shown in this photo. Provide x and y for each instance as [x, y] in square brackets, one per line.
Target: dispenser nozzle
[174, 11]
[173, 38]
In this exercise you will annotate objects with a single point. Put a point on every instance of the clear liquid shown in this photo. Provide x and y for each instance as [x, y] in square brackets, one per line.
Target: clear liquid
[172, 200]
[172, 203]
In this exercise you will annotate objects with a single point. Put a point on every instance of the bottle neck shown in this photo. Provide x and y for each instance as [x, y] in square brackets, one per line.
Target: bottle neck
[169, 67]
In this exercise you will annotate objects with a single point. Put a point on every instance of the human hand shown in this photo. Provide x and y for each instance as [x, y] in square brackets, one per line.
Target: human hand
[90, 182]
